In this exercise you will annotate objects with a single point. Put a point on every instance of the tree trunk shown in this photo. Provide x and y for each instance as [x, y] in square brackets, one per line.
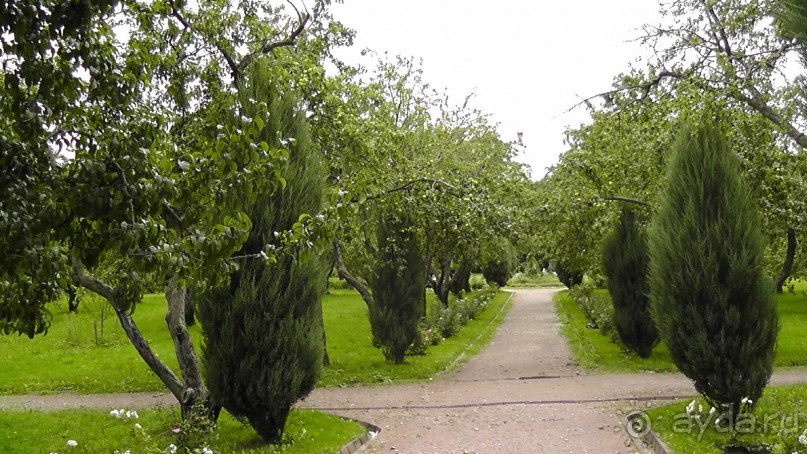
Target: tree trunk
[787, 267]
[190, 309]
[444, 281]
[194, 391]
[460, 278]
[72, 299]
[360, 286]
[326, 360]
[163, 372]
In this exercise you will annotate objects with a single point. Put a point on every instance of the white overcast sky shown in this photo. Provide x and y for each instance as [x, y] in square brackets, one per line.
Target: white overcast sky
[527, 61]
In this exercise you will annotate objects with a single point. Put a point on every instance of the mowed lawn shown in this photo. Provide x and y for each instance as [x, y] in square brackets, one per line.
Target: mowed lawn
[83, 355]
[777, 422]
[594, 351]
[95, 431]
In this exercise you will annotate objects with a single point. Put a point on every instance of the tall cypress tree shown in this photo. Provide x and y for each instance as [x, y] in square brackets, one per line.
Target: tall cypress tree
[710, 302]
[263, 339]
[625, 263]
[398, 286]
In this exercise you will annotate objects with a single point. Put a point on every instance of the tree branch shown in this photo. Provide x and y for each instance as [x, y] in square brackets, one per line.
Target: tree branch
[450, 189]
[270, 46]
[626, 200]
[91, 283]
[227, 57]
[343, 273]
[757, 103]
[644, 86]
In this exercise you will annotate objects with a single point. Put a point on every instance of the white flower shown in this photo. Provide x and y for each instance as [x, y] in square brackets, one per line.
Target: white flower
[72, 443]
[131, 414]
[712, 410]
[207, 450]
[138, 426]
[373, 434]
[172, 449]
[126, 452]
[115, 413]
[803, 438]
[690, 408]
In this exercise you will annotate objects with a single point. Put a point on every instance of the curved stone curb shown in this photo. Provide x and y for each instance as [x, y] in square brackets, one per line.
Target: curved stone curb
[356, 444]
[639, 429]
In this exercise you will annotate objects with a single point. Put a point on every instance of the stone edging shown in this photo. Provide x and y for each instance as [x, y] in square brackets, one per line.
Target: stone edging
[356, 444]
[640, 430]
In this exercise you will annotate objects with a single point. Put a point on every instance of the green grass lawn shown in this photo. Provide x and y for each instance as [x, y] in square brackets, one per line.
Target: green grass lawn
[80, 354]
[95, 431]
[777, 422]
[72, 358]
[521, 280]
[354, 359]
[594, 351]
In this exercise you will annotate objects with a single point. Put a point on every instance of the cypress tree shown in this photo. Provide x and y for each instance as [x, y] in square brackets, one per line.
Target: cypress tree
[625, 263]
[263, 337]
[398, 284]
[710, 302]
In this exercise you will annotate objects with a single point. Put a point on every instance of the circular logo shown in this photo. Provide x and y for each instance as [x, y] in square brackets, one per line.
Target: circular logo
[638, 424]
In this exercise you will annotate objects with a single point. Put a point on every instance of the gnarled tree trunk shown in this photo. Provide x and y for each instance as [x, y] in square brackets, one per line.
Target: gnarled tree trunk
[190, 390]
[787, 266]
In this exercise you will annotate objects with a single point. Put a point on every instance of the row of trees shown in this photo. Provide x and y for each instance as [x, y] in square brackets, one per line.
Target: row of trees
[205, 149]
[735, 57]
[695, 280]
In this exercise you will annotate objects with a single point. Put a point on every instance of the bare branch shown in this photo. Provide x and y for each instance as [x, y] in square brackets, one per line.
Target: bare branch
[645, 86]
[227, 57]
[626, 200]
[435, 183]
[757, 102]
[269, 46]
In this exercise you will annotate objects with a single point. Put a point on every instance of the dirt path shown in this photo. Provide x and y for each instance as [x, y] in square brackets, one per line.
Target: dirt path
[522, 394]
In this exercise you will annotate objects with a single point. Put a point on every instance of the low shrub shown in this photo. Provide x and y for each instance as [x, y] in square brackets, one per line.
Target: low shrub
[477, 282]
[447, 321]
[597, 308]
[335, 283]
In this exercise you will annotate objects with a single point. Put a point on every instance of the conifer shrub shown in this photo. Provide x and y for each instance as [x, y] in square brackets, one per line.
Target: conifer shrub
[625, 264]
[263, 336]
[711, 304]
[398, 284]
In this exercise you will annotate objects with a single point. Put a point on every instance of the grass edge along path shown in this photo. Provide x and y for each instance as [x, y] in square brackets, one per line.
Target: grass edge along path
[596, 352]
[354, 361]
[778, 422]
[153, 430]
[87, 353]
[483, 338]
[593, 351]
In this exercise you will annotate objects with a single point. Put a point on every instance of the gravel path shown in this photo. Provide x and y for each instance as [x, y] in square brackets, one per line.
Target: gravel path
[521, 394]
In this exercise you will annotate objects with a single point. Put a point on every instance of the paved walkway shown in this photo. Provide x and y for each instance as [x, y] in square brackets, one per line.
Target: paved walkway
[522, 394]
